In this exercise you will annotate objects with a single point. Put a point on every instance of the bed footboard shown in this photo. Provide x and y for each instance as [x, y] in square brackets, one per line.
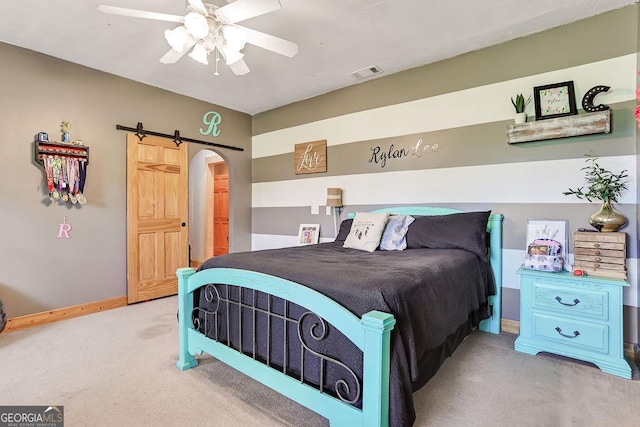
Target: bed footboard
[371, 334]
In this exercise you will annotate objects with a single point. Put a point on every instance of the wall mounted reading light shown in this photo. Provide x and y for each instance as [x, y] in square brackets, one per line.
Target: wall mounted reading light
[334, 200]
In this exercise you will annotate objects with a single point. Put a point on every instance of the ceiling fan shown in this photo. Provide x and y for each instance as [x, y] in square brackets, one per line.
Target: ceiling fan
[207, 28]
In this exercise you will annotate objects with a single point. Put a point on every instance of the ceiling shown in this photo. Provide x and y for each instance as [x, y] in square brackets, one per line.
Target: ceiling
[335, 38]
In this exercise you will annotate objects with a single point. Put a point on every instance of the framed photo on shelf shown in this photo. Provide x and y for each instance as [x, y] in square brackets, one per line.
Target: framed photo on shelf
[308, 234]
[555, 100]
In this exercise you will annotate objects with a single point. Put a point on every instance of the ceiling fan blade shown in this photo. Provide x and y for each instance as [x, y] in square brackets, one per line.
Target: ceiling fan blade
[239, 68]
[269, 42]
[198, 5]
[241, 10]
[173, 55]
[113, 10]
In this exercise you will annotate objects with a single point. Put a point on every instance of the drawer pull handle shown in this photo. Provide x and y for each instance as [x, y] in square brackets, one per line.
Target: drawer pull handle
[575, 302]
[575, 333]
[597, 252]
[598, 259]
[596, 245]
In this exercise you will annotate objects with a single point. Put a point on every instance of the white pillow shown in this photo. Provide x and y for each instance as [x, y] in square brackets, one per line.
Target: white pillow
[366, 231]
[394, 237]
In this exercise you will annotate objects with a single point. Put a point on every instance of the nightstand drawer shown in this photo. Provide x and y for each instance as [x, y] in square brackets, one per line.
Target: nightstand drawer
[591, 336]
[569, 301]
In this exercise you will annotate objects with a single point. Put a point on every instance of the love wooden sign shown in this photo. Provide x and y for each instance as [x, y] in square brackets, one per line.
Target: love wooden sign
[310, 157]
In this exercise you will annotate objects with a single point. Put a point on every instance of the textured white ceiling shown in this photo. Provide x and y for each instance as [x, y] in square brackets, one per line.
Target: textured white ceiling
[335, 37]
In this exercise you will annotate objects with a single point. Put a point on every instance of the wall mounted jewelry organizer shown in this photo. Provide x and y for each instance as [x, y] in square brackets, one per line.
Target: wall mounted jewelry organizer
[65, 169]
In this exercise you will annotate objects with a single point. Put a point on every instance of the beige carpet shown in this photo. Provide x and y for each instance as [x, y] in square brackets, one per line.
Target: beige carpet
[117, 368]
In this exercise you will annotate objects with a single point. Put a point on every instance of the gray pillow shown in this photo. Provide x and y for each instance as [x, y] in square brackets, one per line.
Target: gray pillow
[345, 227]
[394, 235]
[467, 230]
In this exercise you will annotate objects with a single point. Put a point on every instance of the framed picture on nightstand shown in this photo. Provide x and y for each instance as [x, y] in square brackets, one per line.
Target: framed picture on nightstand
[541, 237]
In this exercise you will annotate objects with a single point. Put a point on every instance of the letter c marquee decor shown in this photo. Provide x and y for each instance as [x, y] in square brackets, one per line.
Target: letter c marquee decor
[587, 100]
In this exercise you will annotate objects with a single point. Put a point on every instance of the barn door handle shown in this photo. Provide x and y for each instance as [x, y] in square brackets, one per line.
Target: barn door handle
[575, 302]
[575, 333]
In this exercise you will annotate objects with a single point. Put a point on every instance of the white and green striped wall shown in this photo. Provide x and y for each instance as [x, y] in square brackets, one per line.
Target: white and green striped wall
[462, 106]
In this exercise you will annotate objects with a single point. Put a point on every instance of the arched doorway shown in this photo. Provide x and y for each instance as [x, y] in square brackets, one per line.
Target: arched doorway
[208, 206]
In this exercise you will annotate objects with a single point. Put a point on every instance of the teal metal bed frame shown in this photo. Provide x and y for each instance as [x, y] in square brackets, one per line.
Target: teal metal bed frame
[371, 333]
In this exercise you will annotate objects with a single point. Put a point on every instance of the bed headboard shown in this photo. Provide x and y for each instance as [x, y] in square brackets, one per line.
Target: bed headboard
[494, 228]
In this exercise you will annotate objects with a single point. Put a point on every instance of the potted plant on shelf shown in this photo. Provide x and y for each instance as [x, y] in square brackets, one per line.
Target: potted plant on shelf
[605, 186]
[64, 127]
[520, 104]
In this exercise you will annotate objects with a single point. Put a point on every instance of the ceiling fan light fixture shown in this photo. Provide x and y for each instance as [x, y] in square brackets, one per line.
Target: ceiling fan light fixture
[199, 53]
[197, 25]
[177, 38]
[234, 57]
[234, 37]
[209, 27]
[231, 56]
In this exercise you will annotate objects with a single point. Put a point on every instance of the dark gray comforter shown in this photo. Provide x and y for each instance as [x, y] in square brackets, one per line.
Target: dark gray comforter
[436, 295]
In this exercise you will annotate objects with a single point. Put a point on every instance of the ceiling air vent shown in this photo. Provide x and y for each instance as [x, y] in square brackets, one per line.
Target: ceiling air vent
[366, 72]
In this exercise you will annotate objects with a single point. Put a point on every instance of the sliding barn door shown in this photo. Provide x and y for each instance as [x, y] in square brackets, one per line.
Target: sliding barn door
[157, 213]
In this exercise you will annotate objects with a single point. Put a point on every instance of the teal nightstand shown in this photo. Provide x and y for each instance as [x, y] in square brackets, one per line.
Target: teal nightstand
[578, 317]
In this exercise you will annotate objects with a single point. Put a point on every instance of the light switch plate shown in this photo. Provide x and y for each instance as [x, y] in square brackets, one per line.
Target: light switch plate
[315, 210]
[328, 210]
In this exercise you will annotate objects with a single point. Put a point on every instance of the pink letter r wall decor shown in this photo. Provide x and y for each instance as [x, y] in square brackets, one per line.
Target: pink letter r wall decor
[64, 229]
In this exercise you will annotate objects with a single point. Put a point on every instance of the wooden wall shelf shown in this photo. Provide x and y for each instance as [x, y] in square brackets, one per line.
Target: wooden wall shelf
[65, 149]
[562, 127]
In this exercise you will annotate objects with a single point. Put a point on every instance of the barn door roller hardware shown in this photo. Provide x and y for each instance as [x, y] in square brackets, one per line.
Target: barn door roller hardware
[141, 133]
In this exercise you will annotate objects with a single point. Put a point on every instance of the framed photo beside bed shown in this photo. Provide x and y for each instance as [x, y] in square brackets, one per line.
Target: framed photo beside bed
[555, 100]
[308, 234]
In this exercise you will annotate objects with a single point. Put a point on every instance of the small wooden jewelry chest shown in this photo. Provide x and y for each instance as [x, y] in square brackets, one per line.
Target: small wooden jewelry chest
[601, 254]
